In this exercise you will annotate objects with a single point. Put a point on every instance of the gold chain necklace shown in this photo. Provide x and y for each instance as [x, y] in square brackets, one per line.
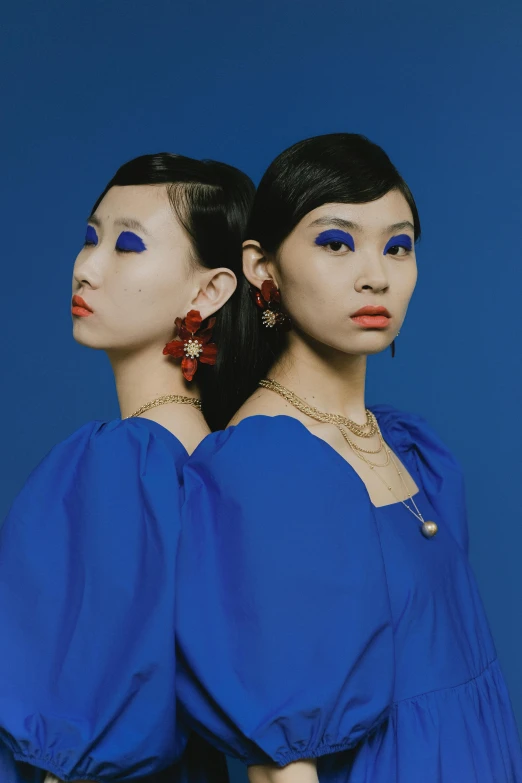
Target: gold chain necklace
[366, 430]
[359, 451]
[428, 528]
[181, 399]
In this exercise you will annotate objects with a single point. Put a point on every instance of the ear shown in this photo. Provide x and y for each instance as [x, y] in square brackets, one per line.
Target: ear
[216, 286]
[257, 267]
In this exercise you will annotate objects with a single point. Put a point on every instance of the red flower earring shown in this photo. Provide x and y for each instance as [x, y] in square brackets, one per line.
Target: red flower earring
[194, 343]
[268, 299]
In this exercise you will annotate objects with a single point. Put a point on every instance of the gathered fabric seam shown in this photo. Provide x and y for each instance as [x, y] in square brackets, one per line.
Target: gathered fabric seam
[54, 770]
[326, 748]
[447, 687]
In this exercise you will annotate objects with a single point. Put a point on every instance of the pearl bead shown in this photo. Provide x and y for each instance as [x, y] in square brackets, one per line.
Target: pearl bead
[429, 529]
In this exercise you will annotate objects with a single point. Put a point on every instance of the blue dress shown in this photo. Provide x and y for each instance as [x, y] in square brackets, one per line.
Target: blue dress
[87, 606]
[312, 624]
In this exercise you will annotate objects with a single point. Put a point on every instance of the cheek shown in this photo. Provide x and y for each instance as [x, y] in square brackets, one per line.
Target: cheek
[318, 304]
[146, 301]
[151, 284]
[317, 290]
[403, 284]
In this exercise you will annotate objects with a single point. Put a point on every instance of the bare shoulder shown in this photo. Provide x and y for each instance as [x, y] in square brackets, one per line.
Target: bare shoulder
[184, 421]
[264, 402]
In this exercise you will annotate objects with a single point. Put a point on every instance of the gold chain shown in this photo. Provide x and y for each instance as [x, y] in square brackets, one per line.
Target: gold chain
[429, 529]
[390, 458]
[357, 449]
[181, 399]
[415, 513]
[366, 430]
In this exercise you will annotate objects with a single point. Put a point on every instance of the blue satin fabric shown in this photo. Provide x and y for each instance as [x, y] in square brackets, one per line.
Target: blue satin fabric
[87, 605]
[312, 624]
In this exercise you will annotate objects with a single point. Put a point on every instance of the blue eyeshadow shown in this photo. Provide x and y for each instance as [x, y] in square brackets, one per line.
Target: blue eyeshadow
[401, 240]
[335, 235]
[130, 242]
[91, 237]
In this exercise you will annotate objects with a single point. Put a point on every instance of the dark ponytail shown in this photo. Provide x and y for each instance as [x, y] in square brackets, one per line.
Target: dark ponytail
[336, 168]
[212, 202]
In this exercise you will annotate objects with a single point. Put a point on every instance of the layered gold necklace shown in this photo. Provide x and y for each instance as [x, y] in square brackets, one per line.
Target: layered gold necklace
[366, 430]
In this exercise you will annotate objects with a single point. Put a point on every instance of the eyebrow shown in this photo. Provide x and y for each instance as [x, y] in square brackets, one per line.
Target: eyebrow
[348, 224]
[336, 221]
[399, 227]
[125, 222]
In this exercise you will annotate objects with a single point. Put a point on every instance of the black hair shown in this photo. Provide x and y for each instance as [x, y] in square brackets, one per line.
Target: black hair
[212, 202]
[335, 168]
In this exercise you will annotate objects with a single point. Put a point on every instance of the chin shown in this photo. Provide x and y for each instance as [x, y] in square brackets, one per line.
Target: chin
[85, 336]
[370, 343]
[88, 343]
[368, 346]
[377, 350]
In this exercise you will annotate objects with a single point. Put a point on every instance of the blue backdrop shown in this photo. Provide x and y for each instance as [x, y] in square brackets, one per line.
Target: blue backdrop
[89, 86]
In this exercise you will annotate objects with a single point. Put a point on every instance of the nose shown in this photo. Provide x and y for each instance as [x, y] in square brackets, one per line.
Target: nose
[87, 272]
[373, 274]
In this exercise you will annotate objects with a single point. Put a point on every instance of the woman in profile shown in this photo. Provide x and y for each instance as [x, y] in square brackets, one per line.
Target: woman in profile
[88, 551]
[341, 636]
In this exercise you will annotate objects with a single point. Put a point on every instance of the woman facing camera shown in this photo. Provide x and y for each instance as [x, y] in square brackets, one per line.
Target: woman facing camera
[88, 551]
[340, 636]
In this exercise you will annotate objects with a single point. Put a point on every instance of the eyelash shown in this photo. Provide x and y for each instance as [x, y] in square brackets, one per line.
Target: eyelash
[336, 242]
[402, 242]
[407, 251]
[334, 237]
[90, 243]
[91, 237]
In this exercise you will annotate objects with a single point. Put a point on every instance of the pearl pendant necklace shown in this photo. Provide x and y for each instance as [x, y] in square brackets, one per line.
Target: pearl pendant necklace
[429, 529]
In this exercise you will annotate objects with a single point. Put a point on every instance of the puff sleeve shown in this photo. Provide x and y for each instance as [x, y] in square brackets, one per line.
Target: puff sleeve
[426, 455]
[285, 645]
[87, 588]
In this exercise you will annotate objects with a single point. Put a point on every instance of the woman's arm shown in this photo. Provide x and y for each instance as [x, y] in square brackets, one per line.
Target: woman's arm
[297, 772]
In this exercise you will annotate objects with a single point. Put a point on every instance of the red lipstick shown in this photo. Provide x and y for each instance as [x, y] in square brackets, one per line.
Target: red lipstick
[372, 317]
[80, 307]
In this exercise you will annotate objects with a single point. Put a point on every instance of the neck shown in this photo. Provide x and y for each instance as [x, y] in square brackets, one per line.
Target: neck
[324, 377]
[143, 377]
